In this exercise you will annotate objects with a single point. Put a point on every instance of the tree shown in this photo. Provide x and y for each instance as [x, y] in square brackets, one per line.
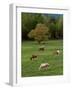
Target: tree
[56, 27]
[40, 33]
[28, 22]
[59, 27]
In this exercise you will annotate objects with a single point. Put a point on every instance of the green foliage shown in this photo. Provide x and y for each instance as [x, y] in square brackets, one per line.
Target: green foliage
[29, 21]
[54, 22]
[56, 28]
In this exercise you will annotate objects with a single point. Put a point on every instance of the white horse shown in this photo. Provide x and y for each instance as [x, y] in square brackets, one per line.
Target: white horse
[44, 66]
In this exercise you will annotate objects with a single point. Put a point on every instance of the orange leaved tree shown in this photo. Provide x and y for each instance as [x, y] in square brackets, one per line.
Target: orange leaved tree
[40, 33]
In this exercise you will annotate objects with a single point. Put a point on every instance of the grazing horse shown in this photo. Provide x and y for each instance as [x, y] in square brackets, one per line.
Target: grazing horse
[57, 52]
[33, 57]
[42, 48]
[44, 66]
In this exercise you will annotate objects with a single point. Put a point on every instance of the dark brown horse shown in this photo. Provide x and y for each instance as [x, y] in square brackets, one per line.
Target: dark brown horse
[33, 57]
[42, 48]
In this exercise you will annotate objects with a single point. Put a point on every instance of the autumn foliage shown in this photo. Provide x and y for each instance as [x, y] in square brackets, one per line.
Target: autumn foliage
[40, 33]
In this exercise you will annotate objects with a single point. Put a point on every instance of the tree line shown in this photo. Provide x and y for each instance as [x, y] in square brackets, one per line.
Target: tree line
[37, 26]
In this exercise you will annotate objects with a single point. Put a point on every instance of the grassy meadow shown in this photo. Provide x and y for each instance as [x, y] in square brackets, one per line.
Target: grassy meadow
[31, 68]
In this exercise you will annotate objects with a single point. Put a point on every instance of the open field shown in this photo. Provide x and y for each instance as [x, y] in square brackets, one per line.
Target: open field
[31, 68]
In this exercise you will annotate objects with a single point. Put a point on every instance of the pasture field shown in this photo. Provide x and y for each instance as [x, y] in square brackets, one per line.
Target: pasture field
[30, 68]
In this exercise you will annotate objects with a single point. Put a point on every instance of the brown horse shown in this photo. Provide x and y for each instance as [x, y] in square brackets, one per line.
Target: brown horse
[42, 48]
[33, 57]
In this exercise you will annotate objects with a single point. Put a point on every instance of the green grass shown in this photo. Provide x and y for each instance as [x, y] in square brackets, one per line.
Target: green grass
[30, 68]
